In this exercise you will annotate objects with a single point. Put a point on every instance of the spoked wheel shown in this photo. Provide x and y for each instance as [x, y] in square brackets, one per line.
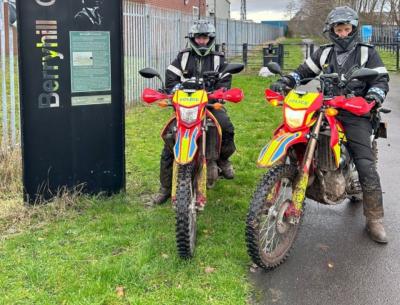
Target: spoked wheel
[185, 212]
[269, 234]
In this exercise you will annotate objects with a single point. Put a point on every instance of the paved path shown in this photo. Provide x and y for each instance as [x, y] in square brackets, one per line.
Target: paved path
[333, 261]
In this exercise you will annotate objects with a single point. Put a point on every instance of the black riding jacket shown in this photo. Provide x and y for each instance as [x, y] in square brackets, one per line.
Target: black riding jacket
[189, 64]
[324, 59]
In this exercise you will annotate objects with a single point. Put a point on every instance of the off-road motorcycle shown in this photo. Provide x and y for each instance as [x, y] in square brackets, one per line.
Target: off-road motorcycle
[194, 135]
[307, 157]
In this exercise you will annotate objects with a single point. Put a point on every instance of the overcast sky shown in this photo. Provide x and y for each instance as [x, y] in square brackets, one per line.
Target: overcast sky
[259, 10]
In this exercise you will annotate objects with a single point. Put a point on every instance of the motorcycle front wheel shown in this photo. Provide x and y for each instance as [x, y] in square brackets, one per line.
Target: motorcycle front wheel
[269, 234]
[185, 212]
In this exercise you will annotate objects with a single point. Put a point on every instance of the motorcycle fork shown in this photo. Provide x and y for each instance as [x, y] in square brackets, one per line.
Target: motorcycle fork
[202, 174]
[201, 177]
[299, 192]
[174, 180]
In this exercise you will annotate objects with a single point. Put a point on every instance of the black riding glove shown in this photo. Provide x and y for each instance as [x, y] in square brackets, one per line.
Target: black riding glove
[374, 97]
[285, 84]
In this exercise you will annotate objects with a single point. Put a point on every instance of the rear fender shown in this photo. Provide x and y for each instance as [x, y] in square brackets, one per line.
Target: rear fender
[277, 148]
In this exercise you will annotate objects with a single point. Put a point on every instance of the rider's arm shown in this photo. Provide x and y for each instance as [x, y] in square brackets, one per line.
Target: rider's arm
[174, 74]
[310, 68]
[379, 86]
[225, 80]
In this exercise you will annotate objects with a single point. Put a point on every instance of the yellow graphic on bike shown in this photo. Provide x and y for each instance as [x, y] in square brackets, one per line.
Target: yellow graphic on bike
[187, 99]
[190, 110]
[277, 148]
[298, 101]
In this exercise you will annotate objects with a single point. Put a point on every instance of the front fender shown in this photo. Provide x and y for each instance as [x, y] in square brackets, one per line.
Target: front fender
[277, 148]
[336, 135]
[185, 147]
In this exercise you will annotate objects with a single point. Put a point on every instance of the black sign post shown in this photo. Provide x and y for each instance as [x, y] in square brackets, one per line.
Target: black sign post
[72, 101]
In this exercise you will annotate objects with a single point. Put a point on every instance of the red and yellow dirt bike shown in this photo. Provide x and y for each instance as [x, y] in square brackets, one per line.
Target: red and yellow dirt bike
[194, 135]
[307, 157]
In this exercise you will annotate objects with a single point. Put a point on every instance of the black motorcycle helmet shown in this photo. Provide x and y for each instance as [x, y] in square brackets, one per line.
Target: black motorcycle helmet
[202, 28]
[342, 15]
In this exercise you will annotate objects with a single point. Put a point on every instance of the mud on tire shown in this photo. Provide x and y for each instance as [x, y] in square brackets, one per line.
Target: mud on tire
[258, 218]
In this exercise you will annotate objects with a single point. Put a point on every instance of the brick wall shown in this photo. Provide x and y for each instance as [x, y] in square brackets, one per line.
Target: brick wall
[177, 4]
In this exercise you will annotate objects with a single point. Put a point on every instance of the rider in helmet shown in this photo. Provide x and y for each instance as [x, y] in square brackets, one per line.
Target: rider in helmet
[344, 55]
[192, 62]
[346, 19]
[202, 29]
[90, 15]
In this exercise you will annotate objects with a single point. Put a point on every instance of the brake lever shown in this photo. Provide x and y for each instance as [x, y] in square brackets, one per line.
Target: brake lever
[385, 110]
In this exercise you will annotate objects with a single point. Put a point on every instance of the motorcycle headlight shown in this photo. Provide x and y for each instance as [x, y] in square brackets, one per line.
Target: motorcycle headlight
[189, 115]
[294, 118]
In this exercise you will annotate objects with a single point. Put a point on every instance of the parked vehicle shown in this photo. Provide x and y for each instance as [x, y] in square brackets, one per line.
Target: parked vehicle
[195, 140]
[306, 158]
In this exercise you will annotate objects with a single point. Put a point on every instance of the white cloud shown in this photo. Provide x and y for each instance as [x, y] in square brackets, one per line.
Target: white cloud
[262, 15]
[257, 5]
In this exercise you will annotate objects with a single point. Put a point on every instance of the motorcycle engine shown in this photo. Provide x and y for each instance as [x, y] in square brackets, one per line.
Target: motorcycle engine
[329, 185]
[335, 185]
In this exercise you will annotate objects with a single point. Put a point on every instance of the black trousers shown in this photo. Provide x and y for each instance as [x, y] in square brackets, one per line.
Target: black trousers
[358, 131]
[227, 148]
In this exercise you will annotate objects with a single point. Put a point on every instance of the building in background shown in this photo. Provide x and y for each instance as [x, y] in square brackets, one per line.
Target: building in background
[195, 7]
[219, 8]
[278, 24]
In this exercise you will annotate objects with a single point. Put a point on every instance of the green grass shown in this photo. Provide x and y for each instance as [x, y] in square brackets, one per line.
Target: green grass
[102, 244]
[82, 254]
[293, 54]
[388, 58]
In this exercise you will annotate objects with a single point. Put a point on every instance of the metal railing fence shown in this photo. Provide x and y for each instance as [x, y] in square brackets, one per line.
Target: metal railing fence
[9, 80]
[389, 35]
[154, 36]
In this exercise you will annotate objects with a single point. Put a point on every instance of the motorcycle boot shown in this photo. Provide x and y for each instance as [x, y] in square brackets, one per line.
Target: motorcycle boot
[212, 173]
[162, 196]
[227, 170]
[376, 230]
[372, 195]
[166, 162]
[373, 210]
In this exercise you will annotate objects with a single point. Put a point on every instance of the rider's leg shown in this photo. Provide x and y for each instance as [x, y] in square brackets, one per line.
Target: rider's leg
[228, 144]
[358, 132]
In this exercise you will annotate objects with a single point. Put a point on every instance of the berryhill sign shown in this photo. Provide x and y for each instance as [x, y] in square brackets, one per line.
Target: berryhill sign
[72, 102]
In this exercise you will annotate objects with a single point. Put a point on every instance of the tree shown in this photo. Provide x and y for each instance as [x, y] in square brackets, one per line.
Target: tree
[311, 14]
